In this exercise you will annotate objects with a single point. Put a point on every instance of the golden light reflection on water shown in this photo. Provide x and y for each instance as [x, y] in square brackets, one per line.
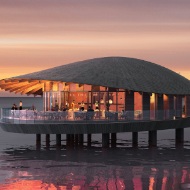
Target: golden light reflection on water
[29, 185]
[94, 169]
[169, 181]
[36, 185]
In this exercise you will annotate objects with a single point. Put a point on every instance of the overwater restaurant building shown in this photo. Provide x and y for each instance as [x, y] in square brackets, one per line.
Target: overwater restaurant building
[108, 84]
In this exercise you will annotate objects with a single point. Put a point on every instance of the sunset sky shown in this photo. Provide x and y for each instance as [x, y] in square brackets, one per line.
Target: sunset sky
[40, 34]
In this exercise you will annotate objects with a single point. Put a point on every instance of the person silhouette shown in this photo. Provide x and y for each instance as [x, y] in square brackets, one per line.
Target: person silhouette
[20, 105]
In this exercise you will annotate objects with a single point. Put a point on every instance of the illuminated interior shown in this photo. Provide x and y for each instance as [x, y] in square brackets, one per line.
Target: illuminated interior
[97, 97]
[57, 93]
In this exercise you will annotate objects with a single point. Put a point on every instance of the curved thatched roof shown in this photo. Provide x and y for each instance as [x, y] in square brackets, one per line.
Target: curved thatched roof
[117, 72]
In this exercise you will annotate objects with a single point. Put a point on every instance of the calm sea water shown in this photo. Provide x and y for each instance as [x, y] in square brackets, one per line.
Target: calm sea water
[23, 166]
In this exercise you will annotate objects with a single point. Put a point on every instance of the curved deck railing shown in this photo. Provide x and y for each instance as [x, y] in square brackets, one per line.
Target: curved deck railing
[33, 116]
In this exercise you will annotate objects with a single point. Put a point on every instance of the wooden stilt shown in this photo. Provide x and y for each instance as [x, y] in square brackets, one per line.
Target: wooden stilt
[105, 140]
[58, 139]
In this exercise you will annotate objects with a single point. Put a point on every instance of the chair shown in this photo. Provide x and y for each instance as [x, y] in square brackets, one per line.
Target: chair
[97, 114]
[40, 115]
[124, 115]
[22, 114]
[90, 115]
[16, 113]
[55, 115]
[63, 115]
[30, 114]
[79, 115]
[138, 114]
[111, 115]
[48, 115]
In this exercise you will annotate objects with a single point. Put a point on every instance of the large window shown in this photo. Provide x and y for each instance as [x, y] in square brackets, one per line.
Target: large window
[99, 98]
[52, 100]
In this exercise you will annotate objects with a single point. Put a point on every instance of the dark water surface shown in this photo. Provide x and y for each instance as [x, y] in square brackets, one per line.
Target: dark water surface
[24, 166]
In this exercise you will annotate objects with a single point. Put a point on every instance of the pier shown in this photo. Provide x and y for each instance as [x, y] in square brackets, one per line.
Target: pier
[75, 131]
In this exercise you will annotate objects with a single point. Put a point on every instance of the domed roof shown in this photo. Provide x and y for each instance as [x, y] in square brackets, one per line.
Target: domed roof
[117, 72]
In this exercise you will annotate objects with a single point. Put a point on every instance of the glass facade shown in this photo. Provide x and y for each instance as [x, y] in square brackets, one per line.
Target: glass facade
[98, 98]
[82, 97]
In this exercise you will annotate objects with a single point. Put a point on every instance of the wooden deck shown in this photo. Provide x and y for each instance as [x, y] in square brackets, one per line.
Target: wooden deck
[95, 127]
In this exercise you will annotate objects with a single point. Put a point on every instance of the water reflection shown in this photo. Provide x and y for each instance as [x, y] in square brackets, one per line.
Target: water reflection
[95, 168]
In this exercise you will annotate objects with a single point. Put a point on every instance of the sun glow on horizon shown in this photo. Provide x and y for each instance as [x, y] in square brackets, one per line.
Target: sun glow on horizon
[39, 35]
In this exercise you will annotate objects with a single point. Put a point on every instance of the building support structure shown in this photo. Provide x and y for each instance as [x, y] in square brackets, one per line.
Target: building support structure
[89, 140]
[178, 108]
[187, 106]
[129, 103]
[145, 106]
[179, 136]
[105, 140]
[159, 106]
[152, 138]
[113, 139]
[171, 113]
[58, 139]
[135, 139]
[38, 139]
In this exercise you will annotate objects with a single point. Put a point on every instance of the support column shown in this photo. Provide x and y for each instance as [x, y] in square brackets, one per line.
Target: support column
[187, 106]
[146, 106]
[178, 108]
[152, 138]
[47, 139]
[105, 140]
[72, 140]
[171, 107]
[81, 139]
[135, 138]
[89, 140]
[38, 139]
[129, 104]
[76, 139]
[179, 136]
[113, 139]
[58, 139]
[159, 106]
[68, 138]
